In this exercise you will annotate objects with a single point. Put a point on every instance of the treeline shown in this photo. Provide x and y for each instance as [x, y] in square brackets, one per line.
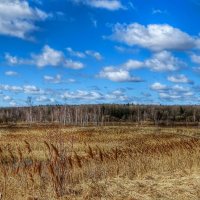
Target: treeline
[101, 114]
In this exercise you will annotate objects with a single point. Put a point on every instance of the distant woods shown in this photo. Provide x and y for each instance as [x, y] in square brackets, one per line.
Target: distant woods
[85, 115]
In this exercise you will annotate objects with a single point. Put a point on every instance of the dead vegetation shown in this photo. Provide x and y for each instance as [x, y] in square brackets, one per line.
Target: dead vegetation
[100, 163]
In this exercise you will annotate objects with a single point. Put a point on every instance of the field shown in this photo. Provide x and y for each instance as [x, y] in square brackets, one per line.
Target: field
[90, 163]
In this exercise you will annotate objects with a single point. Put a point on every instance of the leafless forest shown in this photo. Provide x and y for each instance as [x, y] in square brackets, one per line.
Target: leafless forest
[102, 114]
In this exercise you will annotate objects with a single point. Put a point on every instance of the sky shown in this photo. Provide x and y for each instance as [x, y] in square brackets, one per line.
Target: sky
[99, 51]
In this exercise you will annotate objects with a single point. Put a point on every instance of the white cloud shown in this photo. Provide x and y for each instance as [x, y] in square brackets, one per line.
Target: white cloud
[31, 89]
[7, 98]
[79, 54]
[75, 53]
[47, 57]
[164, 61]
[14, 60]
[181, 78]
[160, 61]
[116, 95]
[11, 88]
[17, 18]
[117, 75]
[169, 97]
[51, 79]
[71, 80]
[82, 94]
[195, 58]
[13, 103]
[156, 37]
[45, 99]
[94, 54]
[158, 11]
[11, 73]
[73, 64]
[172, 93]
[158, 87]
[178, 88]
[104, 4]
[128, 50]
[196, 69]
[27, 89]
[133, 64]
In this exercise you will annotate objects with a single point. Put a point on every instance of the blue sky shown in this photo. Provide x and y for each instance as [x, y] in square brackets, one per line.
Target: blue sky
[99, 51]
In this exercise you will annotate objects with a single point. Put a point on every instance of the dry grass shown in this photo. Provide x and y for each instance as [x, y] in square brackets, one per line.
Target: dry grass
[123, 162]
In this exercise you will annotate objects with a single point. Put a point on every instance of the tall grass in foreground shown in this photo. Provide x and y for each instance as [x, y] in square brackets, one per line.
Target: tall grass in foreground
[63, 169]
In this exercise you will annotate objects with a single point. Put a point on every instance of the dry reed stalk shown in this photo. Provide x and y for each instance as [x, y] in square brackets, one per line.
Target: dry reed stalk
[37, 168]
[55, 150]
[78, 159]
[1, 151]
[16, 172]
[70, 161]
[28, 146]
[90, 152]
[51, 170]
[100, 154]
[11, 155]
[20, 154]
[48, 146]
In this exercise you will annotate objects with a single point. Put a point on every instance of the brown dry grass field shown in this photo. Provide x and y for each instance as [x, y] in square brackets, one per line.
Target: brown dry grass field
[93, 163]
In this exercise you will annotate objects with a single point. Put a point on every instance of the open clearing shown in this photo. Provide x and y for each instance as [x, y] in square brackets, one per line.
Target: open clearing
[113, 162]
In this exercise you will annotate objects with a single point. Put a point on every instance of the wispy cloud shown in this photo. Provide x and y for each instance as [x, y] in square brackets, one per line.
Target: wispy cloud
[111, 5]
[11, 73]
[180, 78]
[84, 54]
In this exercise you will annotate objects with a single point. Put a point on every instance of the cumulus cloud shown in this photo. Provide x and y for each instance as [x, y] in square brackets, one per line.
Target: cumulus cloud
[117, 75]
[172, 93]
[17, 18]
[133, 64]
[181, 78]
[158, 87]
[47, 57]
[103, 4]
[164, 61]
[85, 95]
[156, 37]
